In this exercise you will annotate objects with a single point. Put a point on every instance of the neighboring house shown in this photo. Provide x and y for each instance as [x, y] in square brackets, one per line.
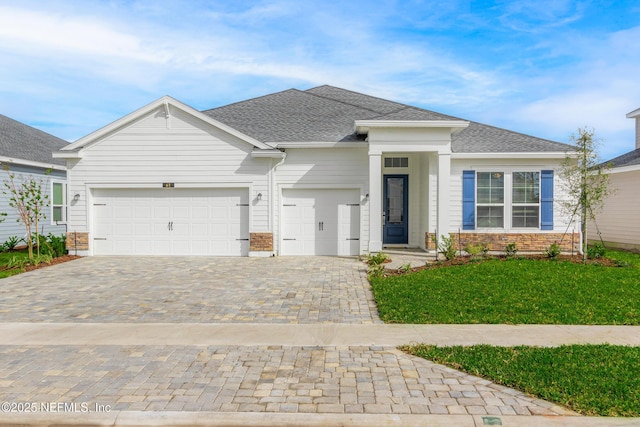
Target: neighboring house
[324, 171]
[619, 220]
[27, 152]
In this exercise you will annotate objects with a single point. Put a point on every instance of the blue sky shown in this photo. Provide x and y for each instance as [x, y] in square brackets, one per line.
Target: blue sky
[542, 67]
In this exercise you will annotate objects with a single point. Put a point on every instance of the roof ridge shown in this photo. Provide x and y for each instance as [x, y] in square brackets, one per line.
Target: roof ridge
[401, 105]
[253, 99]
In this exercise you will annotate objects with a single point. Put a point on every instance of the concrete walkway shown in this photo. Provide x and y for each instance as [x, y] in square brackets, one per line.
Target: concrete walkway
[60, 365]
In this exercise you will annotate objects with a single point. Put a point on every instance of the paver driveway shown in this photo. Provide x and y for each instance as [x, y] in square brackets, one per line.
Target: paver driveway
[246, 377]
[193, 290]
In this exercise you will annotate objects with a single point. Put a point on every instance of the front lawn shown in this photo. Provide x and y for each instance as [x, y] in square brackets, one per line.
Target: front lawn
[589, 379]
[514, 291]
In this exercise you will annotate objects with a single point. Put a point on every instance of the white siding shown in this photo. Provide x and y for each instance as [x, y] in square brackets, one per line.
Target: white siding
[619, 220]
[180, 149]
[560, 219]
[325, 168]
[10, 227]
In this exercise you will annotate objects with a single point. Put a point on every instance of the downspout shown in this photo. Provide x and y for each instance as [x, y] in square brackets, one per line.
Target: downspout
[272, 189]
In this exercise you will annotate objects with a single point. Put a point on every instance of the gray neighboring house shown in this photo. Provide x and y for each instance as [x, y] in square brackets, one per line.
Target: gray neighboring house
[28, 154]
[618, 222]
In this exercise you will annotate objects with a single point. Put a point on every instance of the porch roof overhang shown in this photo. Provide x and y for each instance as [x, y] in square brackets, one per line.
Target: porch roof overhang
[363, 126]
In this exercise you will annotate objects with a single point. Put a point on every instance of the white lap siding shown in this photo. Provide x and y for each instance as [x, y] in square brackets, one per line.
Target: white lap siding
[181, 150]
[318, 168]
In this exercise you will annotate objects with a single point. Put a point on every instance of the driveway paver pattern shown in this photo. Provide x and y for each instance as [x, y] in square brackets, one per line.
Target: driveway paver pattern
[253, 379]
[192, 290]
[226, 378]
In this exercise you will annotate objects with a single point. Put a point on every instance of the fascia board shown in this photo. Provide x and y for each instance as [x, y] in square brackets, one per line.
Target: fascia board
[363, 126]
[529, 155]
[32, 163]
[165, 100]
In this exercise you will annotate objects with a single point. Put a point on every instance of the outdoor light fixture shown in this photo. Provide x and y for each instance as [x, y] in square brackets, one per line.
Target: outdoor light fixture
[259, 197]
[76, 197]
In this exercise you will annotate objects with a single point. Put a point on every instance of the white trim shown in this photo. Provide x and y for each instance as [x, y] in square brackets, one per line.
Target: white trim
[634, 113]
[363, 126]
[622, 169]
[321, 144]
[163, 102]
[65, 201]
[521, 155]
[32, 163]
[199, 184]
[273, 154]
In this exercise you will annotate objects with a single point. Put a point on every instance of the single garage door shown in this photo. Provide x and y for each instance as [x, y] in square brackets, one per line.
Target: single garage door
[171, 221]
[320, 222]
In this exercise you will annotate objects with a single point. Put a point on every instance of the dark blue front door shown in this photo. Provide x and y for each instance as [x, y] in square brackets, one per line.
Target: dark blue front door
[396, 218]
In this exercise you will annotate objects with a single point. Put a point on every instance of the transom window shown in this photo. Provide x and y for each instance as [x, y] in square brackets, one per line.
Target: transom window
[396, 162]
[490, 196]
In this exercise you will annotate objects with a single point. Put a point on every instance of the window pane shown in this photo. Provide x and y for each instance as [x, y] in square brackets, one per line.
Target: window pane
[526, 216]
[57, 213]
[526, 187]
[490, 187]
[57, 194]
[490, 216]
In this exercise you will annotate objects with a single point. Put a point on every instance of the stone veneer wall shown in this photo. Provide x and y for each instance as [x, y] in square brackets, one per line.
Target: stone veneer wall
[525, 242]
[78, 241]
[260, 242]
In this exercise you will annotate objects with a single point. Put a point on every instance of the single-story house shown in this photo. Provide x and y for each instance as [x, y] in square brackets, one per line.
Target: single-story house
[618, 222]
[27, 153]
[324, 171]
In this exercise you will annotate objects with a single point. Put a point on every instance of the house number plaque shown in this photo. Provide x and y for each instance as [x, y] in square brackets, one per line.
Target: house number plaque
[168, 184]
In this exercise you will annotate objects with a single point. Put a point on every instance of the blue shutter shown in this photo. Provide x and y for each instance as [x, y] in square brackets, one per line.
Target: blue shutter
[468, 200]
[546, 200]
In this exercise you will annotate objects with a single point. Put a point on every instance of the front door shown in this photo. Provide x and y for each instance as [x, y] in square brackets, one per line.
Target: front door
[396, 218]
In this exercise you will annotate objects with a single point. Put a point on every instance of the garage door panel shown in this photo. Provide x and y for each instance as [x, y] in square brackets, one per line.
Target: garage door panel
[320, 222]
[175, 221]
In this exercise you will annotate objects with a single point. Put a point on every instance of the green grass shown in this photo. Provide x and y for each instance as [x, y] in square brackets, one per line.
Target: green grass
[515, 291]
[590, 379]
[5, 257]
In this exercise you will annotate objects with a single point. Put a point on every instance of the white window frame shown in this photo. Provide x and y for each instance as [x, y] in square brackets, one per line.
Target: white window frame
[528, 204]
[64, 204]
[508, 204]
[497, 205]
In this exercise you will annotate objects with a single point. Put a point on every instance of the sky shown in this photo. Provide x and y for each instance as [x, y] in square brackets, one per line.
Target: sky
[540, 67]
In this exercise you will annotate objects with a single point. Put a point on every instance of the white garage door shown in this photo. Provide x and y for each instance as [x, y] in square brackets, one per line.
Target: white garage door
[320, 222]
[171, 221]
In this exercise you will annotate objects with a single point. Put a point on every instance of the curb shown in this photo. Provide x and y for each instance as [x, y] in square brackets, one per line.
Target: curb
[261, 419]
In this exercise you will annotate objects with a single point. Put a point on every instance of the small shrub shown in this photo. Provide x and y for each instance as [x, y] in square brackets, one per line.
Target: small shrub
[58, 244]
[596, 251]
[10, 244]
[377, 259]
[376, 270]
[473, 250]
[511, 250]
[405, 268]
[553, 251]
[17, 262]
[41, 259]
[447, 247]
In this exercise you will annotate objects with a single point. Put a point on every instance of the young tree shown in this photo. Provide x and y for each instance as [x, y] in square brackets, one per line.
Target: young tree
[27, 197]
[586, 181]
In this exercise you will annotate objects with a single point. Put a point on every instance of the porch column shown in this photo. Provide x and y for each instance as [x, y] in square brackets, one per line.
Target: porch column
[444, 178]
[375, 202]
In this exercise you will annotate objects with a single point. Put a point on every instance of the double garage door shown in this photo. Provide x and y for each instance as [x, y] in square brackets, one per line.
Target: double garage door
[171, 221]
[320, 222]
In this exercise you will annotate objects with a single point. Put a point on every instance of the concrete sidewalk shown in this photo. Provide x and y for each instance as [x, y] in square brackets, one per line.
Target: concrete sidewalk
[322, 334]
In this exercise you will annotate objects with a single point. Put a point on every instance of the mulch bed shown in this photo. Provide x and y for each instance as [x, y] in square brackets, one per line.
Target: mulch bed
[54, 261]
[462, 260]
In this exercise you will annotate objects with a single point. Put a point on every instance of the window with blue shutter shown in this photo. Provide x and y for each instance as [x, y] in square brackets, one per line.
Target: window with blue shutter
[468, 200]
[546, 200]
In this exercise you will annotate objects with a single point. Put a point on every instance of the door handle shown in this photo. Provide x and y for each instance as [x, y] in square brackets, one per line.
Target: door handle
[170, 226]
[321, 226]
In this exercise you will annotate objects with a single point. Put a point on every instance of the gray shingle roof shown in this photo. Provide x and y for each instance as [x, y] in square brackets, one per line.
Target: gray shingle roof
[20, 141]
[327, 113]
[631, 158]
